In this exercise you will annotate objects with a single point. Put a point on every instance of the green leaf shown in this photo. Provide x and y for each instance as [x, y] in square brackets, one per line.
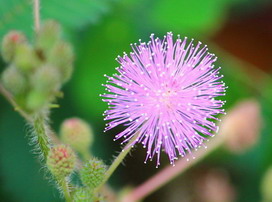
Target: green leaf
[96, 55]
[188, 17]
[74, 14]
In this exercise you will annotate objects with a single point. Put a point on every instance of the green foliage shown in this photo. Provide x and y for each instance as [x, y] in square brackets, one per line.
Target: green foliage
[74, 14]
[96, 57]
[188, 17]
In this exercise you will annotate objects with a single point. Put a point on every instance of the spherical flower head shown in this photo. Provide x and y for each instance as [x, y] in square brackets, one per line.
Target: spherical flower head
[242, 126]
[165, 94]
[61, 161]
[77, 133]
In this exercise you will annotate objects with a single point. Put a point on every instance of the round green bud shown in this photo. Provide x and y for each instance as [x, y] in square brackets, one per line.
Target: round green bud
[9, 44]
[92, 173]
[26, 58]
[76, 133]
[48, 35]
[82, 195]
[36, 99]
[46, 79]
[62, 57]
[61, 161]
[266, 186]
[14, 81]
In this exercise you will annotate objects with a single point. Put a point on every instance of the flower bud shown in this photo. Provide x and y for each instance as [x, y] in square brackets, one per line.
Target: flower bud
[25, 58]
[77, 133]
[46, 79]
[48, 35]
[9, 44]
[82, 195]
[62, 57]
[241, 126]
[92, 173]
[266, 186]
[14, 81]
[61, 161]
[36, 99]
[213, 186]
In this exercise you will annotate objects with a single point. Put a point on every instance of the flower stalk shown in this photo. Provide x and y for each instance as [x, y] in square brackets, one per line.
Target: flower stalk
[119, 159]
[65, 189]
[36, 11]
[170, 172]
[40, 129]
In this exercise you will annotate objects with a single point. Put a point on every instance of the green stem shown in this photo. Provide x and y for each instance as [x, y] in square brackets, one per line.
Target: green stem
[36, 11]
[117, 161]
[50, 133]
[38, 123]
[65, 189]
[9, 97]
[40, 128]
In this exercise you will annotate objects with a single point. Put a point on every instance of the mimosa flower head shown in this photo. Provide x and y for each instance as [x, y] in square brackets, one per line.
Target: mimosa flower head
[164, 92]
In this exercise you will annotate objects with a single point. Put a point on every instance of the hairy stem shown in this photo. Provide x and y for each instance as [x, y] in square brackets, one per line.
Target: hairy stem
[38, 123]
[50, 133]
[9, 97]
[119, 159]
[41, 130]
[65, 190]
[36, 12]
[170, 172]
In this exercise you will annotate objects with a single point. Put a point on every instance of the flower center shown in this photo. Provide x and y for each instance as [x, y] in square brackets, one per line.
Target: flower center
[165, 97]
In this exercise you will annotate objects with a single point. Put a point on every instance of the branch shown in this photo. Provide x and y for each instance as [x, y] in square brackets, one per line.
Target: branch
[170, 172]
[52, 135]
[36, 12]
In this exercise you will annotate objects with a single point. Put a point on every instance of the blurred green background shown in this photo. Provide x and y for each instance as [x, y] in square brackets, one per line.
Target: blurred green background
[239, 32]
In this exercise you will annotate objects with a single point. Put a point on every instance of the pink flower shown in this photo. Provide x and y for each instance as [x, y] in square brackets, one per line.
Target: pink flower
[165, 94]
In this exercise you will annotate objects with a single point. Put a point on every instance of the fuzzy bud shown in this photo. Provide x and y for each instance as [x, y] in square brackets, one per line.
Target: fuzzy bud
[35, 100]
[61, 161]
[48, 35]
[82, 195]
[214, 185]
[266, 186]
[46, 79]
[14, 81]
[26, 58]
[241, 127]
[62, 57]
[9, 44]
[77, 133]
[92, 173]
